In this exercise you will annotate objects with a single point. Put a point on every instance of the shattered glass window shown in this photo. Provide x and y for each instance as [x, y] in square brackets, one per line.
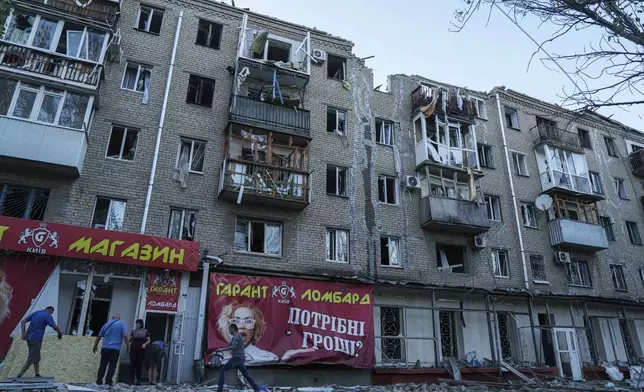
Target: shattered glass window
[182, 224]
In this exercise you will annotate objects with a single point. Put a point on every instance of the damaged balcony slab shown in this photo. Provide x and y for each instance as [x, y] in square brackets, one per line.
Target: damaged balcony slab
[255, 113]
[101, 12]
[453, 215]
[637, 163]
[558, 137]
[571, 235]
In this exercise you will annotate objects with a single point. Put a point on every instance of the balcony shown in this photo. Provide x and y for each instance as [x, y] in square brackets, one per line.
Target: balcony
[572, 235]
[447, 102]
[100, 11]
[255, 113]
[558, 137]
[453, 215]
[637, 162]
[253, 183]
[19, 59]
[42, 147]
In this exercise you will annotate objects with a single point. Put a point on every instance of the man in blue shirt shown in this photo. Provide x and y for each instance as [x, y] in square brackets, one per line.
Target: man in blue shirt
[38, 322]
[113, 334]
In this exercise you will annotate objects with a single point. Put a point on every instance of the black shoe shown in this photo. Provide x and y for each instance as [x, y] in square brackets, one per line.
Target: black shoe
[38, 375]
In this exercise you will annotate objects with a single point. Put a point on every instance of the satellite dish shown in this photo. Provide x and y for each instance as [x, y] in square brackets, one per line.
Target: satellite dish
[543, 202]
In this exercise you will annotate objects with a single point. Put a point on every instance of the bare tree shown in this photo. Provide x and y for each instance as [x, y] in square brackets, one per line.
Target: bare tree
[607, 72]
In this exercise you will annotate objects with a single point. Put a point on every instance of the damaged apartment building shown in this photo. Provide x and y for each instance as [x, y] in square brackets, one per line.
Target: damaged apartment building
[489, 226]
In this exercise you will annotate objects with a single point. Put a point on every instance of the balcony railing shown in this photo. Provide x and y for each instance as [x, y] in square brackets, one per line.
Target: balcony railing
[637, 162]
[556, 136]
[572, 235]
[453, 215]
[252, 182]
[101, 11]
[447, 100]
[278, 118]
[48, 64]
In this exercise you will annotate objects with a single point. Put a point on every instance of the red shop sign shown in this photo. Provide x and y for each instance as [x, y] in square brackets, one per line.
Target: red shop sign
[292, 321]
[54, 239]
[163, 291]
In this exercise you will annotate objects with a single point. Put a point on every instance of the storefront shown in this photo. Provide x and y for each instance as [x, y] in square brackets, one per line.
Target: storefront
[88, 275]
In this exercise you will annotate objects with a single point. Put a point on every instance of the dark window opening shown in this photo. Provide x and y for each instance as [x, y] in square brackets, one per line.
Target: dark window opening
[25, 203]
[391, 329]
[387, 190]
[449, 339]
[336, 180]
[450, 258]
[200, 90]
[278, 51]
[608, 227]
[209, 34]
[610, 146]
[336, 67]
[584, 138]
[335, 121]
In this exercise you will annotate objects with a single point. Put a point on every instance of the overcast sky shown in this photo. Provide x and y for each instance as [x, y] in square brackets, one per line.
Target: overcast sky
[414, 37]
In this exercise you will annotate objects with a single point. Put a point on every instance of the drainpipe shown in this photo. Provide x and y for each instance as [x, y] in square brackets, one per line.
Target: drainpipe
[514, 196]
[164, 108]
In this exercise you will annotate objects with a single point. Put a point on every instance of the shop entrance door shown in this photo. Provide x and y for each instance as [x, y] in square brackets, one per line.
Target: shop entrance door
[160, 327]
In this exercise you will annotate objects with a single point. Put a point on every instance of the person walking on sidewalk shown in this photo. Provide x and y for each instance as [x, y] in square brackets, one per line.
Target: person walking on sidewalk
[113, 334]
[237, 360]
[139, 340]
[38, 322]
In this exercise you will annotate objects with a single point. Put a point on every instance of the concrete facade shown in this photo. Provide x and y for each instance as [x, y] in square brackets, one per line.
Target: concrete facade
[417, 285]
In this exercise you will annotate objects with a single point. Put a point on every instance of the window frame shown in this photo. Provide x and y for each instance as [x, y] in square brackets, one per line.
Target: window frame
[528, 207]
[538, 259]
[478, 101]
[387, 179]
[124, 138]
[203, 82]
[249, 237]
[517, 158]
[615, 271]
[514, 112]
[620, 185]
[338, 169]
[139, 70]
[184, 213]
[149, 21]
[596, 182]
[344, 67]
[586, 132]
[31, 209]
[38, 101]
[109, 208]
[608, 228]
[497, 261]
[381, 130]
[335, 232]
[485, 150]
[611, 147]
[337, 121]
[210, 31]
[389, 240]
[578, 270]
[489, 204]
[634, 234]
[192, 153]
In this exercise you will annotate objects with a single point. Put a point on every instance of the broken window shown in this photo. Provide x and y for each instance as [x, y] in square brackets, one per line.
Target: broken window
[507, 330]
[520, 167]
[641, 272]
[19, 28]
[390, 252]
[278, 51]
[387, 192]
[191, 155]
[500, 263]
[258, 237]
[149, 19]
[576, 209]
[610, 146]
[633, 233]
[200, 90]
[481, 109]
[97, 309]
[182, 224]
[449, 338]
[511, 118]
[596, 183]
[578, 273]
[392, 334]
[450, 258]
[336, 67]
[384, 132]
[447, 187]
[619, 280]
[493, 204]
[608, 227]
[529, 214]
[485, 156]
[336, 121]
[136, 77]
[122, 143]
[584, 138]
[209, 34]
[620, 186]
[26, 203]
[108, 214]
[337, 245]
[336, 180]
[538, 268]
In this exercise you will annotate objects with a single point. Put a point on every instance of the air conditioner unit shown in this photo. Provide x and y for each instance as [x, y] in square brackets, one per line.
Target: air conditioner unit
[115, 51]
[412, 182]
[562, 257]
[319, 55]
[480, 242]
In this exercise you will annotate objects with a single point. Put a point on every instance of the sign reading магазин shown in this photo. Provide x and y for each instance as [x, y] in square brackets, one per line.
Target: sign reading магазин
[54, 239]
[292, 321]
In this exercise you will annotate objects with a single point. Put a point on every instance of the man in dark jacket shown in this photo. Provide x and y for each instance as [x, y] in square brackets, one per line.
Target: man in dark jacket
[237, 359]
